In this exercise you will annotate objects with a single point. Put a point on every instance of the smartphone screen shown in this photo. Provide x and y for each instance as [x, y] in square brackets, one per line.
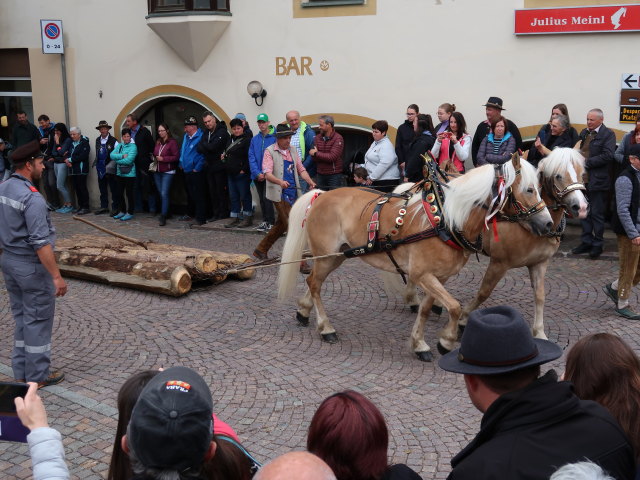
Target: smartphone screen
[9, 391]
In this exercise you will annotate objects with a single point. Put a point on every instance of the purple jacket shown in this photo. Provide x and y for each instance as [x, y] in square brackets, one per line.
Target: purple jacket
[169, 153]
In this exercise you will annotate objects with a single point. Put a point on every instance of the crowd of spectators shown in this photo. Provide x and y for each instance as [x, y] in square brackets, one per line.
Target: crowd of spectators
[532, 424]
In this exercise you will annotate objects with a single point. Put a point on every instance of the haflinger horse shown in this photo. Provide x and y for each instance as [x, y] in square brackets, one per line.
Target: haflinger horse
[416, 233]
[517, 246]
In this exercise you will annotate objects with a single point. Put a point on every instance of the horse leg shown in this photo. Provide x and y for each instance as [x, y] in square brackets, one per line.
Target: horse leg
[435, 288]
[305, 303]
[411, 296]
[536, 274]
[322, 268]
[420, 347]
[495, 272]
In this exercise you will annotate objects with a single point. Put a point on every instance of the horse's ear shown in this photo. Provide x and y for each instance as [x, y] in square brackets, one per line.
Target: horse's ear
[515, 160]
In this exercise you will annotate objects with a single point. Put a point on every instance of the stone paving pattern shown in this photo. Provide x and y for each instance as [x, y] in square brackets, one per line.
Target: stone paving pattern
[267, 374]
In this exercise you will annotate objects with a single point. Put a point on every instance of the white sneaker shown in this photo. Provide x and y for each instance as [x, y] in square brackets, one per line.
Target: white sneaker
[267, 226]
[261, 226]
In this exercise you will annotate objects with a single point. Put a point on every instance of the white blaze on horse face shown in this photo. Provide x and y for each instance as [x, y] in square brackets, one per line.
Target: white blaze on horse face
[577, 197]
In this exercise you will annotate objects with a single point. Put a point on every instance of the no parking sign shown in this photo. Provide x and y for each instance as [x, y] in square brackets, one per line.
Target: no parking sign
[51, 31]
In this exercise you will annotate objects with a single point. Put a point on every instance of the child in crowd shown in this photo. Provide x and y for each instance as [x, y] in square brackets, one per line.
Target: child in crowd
[360, 176]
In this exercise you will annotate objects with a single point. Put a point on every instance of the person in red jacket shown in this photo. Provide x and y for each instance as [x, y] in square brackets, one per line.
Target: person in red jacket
[327, 154]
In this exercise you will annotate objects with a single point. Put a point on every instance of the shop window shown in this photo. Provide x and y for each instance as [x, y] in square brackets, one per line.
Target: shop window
[173, 6]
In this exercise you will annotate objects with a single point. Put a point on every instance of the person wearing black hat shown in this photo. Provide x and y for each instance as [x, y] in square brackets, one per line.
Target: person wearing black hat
[493, 110]
[625, 222]
[31, 275]
[170, 434]
[531, 425]
[283, 169]
[106, 169]
[192, 162]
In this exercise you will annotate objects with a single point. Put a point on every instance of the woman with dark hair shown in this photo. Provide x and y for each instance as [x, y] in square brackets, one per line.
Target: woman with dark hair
[444, 114]
[454, 144]
[120, 468]
[543, 139]
[230, 462]
[349, 433]
[498, 146]
[404, 136]
[166, 155]
[629, 138]
[381, 161]
[78, 163]
[603, 368]
[423, 141]
[59, 153]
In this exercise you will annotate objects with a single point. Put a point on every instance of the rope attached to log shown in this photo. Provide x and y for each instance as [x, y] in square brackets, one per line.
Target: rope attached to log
[106, 230]
[252, 266]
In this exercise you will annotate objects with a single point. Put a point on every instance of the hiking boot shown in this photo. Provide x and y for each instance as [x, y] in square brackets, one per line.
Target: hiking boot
[582, 248]
[247, 222]
[627, 312]
[611, 293]
[235, 221]
[55, 377]
[260, 255]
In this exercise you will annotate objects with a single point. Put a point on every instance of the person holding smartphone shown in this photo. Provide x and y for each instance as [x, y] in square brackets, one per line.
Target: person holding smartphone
[454, 144]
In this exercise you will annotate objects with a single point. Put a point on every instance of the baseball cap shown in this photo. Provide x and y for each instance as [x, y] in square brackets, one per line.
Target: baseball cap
[241, 116]
[171, 424]
[191, 120]
[263, 117]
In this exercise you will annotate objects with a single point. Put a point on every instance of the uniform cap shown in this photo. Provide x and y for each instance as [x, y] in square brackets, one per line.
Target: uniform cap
[26, 152]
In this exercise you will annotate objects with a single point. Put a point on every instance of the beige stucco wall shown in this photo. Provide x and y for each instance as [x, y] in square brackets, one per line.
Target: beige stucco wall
[410, 51]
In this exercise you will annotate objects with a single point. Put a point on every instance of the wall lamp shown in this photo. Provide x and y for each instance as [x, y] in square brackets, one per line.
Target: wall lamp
[256, 91]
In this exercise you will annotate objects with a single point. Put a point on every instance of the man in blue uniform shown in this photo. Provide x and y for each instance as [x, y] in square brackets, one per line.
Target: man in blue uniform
[29, 267]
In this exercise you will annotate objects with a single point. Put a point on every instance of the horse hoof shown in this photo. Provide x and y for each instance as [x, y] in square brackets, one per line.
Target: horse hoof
[437, 309]
[302, 320]
[442, 350]
[330, 337]
[425, 356]
[414, 308]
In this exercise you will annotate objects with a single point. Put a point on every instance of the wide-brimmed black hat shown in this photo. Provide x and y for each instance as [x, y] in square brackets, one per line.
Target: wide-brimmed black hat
[495, 102]
[498, 340]
[283, 130]
[103, 123]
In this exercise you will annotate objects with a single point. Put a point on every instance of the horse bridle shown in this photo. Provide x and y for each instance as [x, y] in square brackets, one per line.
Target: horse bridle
[558, 194]
[522, 212]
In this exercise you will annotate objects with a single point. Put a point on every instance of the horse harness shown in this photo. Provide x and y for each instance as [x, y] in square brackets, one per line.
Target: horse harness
[432, 191]
[558, 194]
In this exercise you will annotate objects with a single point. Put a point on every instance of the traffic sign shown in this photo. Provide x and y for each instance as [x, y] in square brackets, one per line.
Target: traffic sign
[630, 80]
[52, 39]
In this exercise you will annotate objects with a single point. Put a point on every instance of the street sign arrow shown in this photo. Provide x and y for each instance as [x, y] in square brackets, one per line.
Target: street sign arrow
[629, 82]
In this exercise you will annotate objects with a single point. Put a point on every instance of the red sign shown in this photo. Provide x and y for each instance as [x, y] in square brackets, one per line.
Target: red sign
[610, 18]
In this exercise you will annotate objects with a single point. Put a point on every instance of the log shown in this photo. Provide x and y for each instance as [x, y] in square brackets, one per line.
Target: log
[177, 282]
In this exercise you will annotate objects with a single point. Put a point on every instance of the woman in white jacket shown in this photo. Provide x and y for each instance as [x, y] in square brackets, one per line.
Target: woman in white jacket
[453, 145]
[381, 161]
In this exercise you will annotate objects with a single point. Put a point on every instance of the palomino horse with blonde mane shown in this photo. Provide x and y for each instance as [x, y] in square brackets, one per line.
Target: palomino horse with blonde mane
[351, 219]
[561, 180]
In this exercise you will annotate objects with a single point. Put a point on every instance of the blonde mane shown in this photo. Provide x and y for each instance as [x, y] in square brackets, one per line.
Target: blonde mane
[560, 160]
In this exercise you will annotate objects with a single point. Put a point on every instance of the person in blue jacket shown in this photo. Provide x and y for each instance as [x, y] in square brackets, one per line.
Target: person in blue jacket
[192, 163]
[266, 137]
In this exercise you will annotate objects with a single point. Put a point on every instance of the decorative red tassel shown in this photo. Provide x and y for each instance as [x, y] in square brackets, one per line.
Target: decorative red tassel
[495, 230]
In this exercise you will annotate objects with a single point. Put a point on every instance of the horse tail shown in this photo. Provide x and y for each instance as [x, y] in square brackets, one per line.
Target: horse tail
[294, 244]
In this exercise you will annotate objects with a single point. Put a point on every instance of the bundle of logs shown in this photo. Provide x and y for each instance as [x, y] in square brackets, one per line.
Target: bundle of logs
[149, 266]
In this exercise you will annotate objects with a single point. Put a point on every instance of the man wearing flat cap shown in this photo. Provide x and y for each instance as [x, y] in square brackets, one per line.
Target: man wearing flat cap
[531, 425]
[493, 110]
[29, 267]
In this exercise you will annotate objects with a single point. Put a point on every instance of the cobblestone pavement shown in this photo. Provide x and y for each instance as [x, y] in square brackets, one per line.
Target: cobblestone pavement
[268, 374]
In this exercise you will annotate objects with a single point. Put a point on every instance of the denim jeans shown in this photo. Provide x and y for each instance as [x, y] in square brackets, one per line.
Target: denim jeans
[61, 179]
[330, 182]
[240, 193]
[163, 183]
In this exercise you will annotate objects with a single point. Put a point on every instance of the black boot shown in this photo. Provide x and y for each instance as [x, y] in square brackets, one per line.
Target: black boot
[163, 221]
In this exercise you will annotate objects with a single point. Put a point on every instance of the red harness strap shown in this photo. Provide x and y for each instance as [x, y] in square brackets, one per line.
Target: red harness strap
[313, 199]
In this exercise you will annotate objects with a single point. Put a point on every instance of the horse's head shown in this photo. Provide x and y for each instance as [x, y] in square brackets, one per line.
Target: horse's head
[523, 202]
[560, 176]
